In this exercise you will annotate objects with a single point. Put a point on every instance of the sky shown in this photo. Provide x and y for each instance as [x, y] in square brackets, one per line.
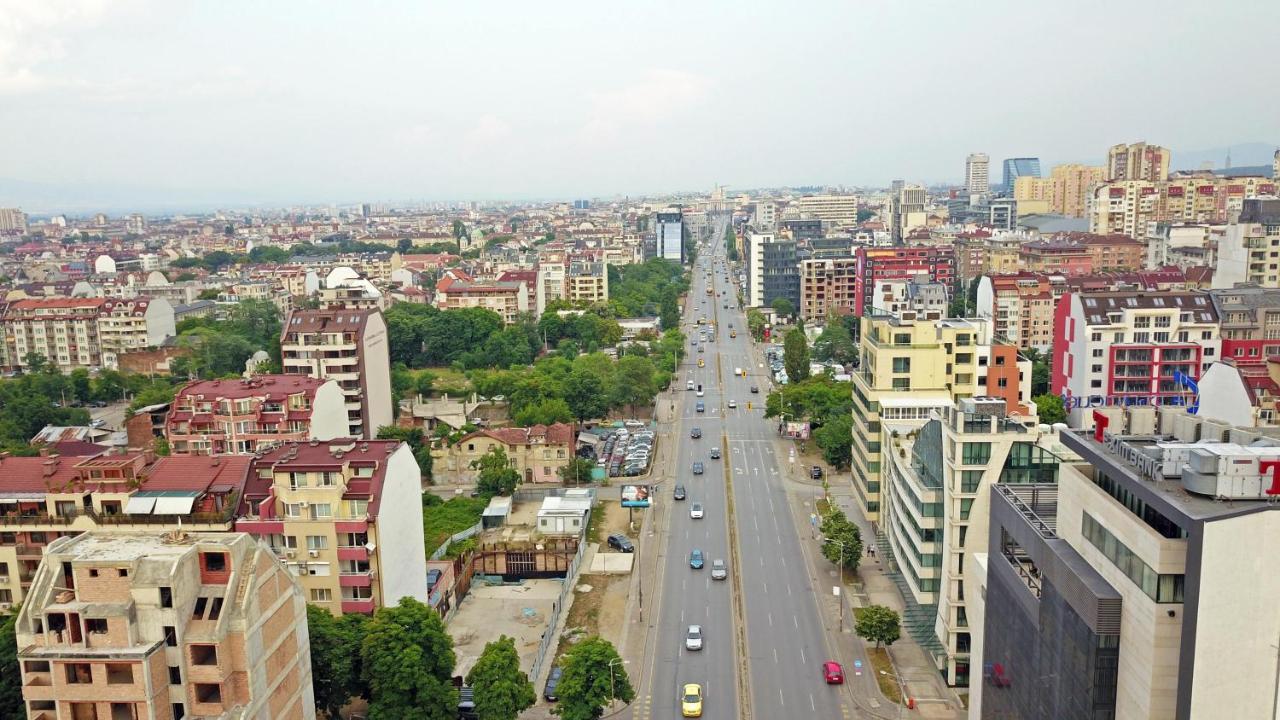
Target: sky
[154, 101]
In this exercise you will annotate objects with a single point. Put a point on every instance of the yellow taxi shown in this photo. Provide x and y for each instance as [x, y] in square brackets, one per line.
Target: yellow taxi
[691, 701]
[733, 333]
[702, 363]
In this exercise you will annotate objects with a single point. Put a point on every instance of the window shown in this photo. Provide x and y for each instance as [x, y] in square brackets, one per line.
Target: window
[902, 364]
[976, 453]
[1166, 588]
[1097, 352]
[119, 674]
[321, 595]
[79, 674]
[297, 480]
[95, 626]
[902, 383]
[292, 510]
[357, 508]
[965, 507]
[209, 693]
[320, 511]
[317, 542]
[198, 611]
[204, 655]
[166, 597]
[170, 636]
[175, 675]
[969, 480]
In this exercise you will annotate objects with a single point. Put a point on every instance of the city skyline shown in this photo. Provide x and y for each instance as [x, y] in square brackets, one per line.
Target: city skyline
[193, 107]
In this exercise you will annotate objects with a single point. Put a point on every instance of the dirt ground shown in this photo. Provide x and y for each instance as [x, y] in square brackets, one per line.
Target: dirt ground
[597, 611]
[519, 611]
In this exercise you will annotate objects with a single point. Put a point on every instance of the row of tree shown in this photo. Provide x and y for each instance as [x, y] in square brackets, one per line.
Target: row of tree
[402, 661]
[827, 405]
[650, 288]
[218, 346]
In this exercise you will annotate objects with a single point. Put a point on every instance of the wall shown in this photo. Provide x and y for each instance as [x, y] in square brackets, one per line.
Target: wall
[376, 369]
[329, 412]
[402, 556]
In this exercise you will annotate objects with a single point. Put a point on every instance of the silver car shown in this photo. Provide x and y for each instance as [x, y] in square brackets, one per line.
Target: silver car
[719, 571]
[693, 638]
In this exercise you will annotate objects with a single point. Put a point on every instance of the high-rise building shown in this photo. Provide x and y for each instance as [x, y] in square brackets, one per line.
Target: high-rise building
[88, 333]
[772, 270]
[899, 263]
[588, 282]
[345, 516]
[12, 220]
[1065, 192]
[349, 346]
[669, 230]
[904, 210]
[1246, 253]
[977, 179]
[1250, 319]
[215, 417]
[1015, 168]
[765, 218]
[164, 626]
[836, 208]
[1128, 207]
[1137, 161]
[1144, 590]
[827, 285]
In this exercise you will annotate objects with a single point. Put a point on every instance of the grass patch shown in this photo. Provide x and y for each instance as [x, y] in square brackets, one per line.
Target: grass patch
[885, 677]
[595, 523]
[584, 614]
[447, 380]
[441, 518]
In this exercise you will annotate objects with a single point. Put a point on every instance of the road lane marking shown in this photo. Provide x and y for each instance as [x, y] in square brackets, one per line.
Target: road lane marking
[802, 660]
[796, 619]
[780, 699]
[775, 654]
[811, 705]
[770, 619]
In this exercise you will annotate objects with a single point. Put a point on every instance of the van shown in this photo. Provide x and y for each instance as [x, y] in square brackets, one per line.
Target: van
[738, 371]
[688, 385]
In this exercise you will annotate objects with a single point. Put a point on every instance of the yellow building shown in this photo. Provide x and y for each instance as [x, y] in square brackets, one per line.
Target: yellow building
[537, 452]
[1127, 207]
[1065, 192]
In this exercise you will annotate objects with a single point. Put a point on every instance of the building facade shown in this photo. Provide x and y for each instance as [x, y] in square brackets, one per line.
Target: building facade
[350, 347]
[669, 234]
[1127, 207]
[1015, 168]
[162, 627]
[1246, 252]
[1137, 161]
[88, 333]
[345, 517]
[215, 417]
[827, 286]
[772, 270]
[537, 453]
[588, 282]
[977, 178]
[457, 290]
[900, 263]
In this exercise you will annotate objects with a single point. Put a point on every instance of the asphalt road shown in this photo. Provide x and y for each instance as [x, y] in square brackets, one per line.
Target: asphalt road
[785, 638]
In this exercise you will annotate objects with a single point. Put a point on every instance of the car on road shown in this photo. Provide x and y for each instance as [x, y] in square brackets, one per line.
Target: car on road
[700, 392]
[832, 673]
[715, 453]
[691, 701]
[693, 638]
[695, 511]
[733, 404]
[702, 363]
[702, 348]
[697, 560]
[815, 472]
[697, 468]
[755, 390]
[719, 571]
[688, 385]
[695, 433]
[679, 493]
[733, 333]
[621, 542]
[553, 681]
[701, 407]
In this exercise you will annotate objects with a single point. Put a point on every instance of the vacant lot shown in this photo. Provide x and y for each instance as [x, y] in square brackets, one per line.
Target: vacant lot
[440, 519]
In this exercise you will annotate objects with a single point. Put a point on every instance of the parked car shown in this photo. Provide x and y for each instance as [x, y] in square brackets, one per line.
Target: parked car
[697, 468]
[621, 542]
[719, 571]
[815, 472]
[679, 493]
[696, 559]
[553, 681]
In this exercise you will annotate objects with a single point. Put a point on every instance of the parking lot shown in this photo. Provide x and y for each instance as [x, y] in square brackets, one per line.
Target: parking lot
[628, 451]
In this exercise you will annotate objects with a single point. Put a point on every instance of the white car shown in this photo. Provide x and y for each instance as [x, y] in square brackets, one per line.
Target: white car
[700, 393]
[693, 638]
[733, 404]
[695, 511]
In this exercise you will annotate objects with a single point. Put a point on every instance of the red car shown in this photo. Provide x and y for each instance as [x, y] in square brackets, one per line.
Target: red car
[832, 673]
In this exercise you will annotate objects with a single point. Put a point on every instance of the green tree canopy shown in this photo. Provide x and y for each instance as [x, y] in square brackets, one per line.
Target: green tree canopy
[416, 441]
[577, 470]
[335, 669]
[594, 675]
[11, 703]
[783, 306]
[835, 344]
[502, 690]
[497, 477]
[835, 439]
[837, 528]
[408, 664]
[795, 355]
[878, 624]
[1050, 408]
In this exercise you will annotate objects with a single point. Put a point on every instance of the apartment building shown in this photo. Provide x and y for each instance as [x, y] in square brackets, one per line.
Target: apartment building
[216, 417]
[588, 282]
[1127, 207]
[913, 366]
[980, 252]
[904, 211]
[1250, 322]
[1065, 192]
[13, 221]
[1249, 251]
[536, 452]
[840, 209]
[345, 516]
[669, 234]
[1131, 348]
[1183, 245]
[1082, 254]
[1137, 161]
[977, 179]
[917, 296]
[457, 289]
[765, 217]
[164, 626]
[1170, 509]
[936, 492]
[351, 348]
[1021, 308]
[899, 263]
[47, 497]
[827, 286]
[772, 270]
[88, 333]
[533, 289]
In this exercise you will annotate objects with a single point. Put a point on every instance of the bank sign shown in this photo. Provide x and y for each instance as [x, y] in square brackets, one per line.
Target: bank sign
[1190, 397]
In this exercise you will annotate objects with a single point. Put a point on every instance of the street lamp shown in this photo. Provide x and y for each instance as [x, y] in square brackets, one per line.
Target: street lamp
[613, 688]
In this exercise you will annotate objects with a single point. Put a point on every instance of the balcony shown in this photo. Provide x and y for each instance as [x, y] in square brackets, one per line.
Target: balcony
[363, 579]
[358, 606]
[358, 553]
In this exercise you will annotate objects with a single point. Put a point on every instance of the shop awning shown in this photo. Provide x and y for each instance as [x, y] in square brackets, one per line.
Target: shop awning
[139, 505]
[180, 505]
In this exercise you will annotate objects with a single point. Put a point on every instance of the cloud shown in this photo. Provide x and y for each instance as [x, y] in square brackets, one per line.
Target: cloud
[488, 130]
[34, 32]
[659, 95]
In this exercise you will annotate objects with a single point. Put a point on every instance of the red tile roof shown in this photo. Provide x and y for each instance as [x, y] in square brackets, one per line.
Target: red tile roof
[324, 455]
[272, 387]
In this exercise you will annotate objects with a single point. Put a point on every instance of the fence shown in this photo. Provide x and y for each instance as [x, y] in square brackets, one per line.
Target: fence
[463, 535]
[550, 636]
[537, 494]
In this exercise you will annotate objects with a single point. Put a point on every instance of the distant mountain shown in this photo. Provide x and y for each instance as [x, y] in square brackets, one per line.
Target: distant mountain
[1244, 154]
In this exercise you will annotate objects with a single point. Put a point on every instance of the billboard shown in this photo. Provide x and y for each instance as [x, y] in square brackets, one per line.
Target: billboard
[796, 430]
[635, 496]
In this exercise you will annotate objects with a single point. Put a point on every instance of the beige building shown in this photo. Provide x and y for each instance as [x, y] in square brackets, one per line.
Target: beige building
[214, 417]
[1128, 207]
[350, 347]
[345, 517]
[164, 626]
[1137, 161]
[87, 333]
[827, 286]
[457, 290]
[537, 452]
[1247, 252]
[588, 282]
[841, 209]
[977, 178]
[1065, 192]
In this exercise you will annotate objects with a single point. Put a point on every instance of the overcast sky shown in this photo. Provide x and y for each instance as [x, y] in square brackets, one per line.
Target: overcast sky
[334, 102]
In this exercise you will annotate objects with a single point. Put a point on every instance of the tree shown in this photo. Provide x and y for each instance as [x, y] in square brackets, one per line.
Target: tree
[795, 356]
[1040, 371]
[835, 439]
[865, 215]
[408, 664]
[577, 470]
[502, 690]
[835, 526]
[756, 323]
[497, 477]
[81, 385]
[585, 394]
[418, 443]
[835, 344]
[11, 703]
[878, 623]
[594, 675]
[547, 411]
[1050, 408]
[218, 259]
[335, 669]
[783, 307]
[404, 245]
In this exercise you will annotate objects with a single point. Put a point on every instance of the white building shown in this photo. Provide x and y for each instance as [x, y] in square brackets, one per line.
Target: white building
[977, 179]
[669, 233]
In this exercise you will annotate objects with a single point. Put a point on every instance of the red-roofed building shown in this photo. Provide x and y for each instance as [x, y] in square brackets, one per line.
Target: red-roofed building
[350, 347]
[213, 417]
[457, 289]
[44, 498]
[537, 452]
[83, 332]
[345, 516]
[899, 263]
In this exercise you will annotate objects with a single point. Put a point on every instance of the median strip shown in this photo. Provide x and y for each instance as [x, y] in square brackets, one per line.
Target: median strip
[742, 667]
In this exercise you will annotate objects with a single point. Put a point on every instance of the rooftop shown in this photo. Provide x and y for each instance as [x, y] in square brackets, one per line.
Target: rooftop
[272, 387]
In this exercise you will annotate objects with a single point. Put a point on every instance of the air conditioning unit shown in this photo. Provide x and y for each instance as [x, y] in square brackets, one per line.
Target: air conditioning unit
[313, 553]
[6, 607]
[303, 504]
[370, 547]
[373, 574]
[290, 553]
